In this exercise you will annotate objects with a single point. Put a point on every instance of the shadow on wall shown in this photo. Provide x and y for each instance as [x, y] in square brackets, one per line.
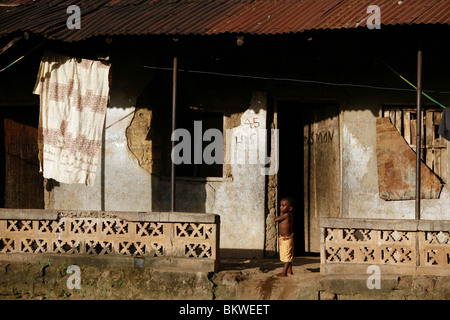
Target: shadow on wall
[189, 196]
[149, 134]
[149, 140]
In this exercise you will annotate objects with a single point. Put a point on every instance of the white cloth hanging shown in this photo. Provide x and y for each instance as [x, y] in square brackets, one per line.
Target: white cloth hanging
[73, 97]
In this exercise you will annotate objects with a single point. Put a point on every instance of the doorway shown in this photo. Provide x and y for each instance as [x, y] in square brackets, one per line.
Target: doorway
[309, 167]
[21, 183]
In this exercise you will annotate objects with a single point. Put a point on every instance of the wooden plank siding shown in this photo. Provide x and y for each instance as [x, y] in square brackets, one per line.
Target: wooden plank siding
[22, 183]
[434, 147]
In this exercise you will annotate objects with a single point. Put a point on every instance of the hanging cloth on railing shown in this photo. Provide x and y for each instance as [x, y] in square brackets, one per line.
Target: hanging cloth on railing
[73, 98]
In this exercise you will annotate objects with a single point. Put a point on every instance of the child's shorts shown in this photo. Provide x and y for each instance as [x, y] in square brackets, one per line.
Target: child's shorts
[286, 248]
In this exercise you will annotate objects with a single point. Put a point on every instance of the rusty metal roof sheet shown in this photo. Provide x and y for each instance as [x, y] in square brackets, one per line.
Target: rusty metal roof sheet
[208, 17]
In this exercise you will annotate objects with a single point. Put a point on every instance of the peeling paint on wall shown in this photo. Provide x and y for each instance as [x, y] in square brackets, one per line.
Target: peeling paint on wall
[244, 142]
[356, 158]
[138, 138]
[397, 167]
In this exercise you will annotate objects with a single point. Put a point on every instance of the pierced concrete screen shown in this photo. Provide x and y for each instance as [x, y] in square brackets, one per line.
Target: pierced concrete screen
[350, 246]
[175, 240]
[397, 167]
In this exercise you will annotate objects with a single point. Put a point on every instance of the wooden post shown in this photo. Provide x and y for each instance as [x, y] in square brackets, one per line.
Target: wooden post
[419, 131]
[174, 113]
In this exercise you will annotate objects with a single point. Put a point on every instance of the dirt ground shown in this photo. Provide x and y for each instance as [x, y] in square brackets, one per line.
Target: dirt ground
[237, 279]
[252, 279]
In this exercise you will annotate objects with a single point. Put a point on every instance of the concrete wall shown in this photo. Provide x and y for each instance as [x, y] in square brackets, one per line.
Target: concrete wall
[120, 184]
[240, 196]
[359, 110]
[124, 184]
[360, 197]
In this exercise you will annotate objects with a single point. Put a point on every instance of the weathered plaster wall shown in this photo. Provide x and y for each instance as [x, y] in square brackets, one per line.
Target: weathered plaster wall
[238, 197]
[124, 180]
[359, 109]
[241, 202]
[360, 198]
[120, 184]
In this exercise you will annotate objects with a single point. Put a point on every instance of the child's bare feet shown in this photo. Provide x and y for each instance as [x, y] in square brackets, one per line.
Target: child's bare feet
[289, 272]
[281, 275]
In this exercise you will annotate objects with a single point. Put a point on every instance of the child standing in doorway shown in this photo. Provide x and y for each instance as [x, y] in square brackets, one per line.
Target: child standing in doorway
[286, 236]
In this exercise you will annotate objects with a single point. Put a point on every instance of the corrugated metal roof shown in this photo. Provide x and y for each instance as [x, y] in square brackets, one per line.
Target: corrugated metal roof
[207, 17]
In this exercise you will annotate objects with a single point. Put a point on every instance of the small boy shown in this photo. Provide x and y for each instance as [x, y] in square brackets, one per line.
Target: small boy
[286, 237]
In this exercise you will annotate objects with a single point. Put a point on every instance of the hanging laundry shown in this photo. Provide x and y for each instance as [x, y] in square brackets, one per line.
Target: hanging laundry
[73, 97]
[444, 125]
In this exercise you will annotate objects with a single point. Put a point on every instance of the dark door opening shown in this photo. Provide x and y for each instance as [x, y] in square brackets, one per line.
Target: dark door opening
[309, 167]
[290, 172]
[21, 183]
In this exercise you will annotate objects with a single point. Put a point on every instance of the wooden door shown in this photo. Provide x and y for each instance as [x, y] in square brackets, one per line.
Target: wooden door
[321, 170]
[23, 184]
